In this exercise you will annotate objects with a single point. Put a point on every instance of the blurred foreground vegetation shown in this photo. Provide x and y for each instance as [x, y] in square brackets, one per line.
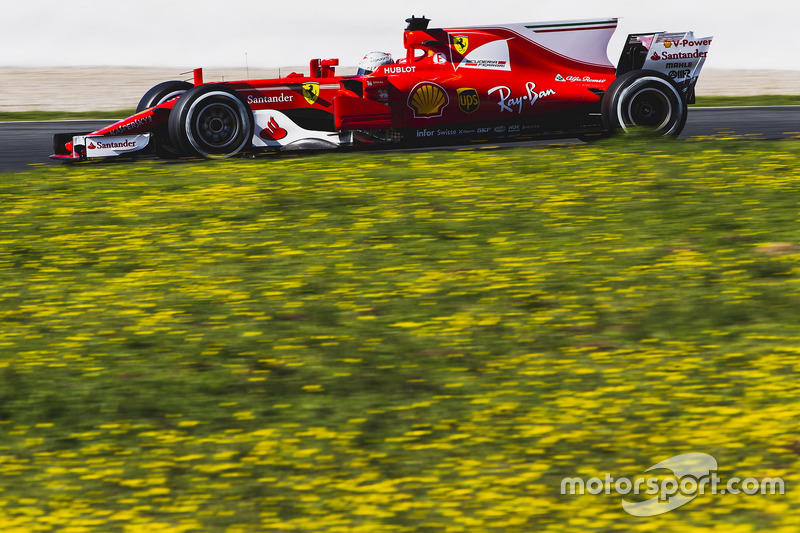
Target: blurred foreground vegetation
[399, 342]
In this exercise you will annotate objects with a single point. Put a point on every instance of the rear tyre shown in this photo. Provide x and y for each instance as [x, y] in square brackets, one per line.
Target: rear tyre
[644, 101]
[212, 121]
[162, 92]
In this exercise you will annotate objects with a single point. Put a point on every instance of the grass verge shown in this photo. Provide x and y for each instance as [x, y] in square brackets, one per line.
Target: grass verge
[399, 342]
[755, 101]
[17, 116]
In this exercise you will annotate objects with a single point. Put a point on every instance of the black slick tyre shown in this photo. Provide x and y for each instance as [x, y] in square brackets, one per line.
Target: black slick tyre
[644, 101]
[211, 121]
[162, 92]
[159, 94]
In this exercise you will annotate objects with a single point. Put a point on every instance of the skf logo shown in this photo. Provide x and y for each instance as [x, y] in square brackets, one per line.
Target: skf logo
[311, 92]
[428, 100]
[461, 44]
[468, 100]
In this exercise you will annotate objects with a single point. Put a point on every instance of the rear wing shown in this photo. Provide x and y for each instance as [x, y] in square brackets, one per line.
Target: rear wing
[680, 56]
[582, 42]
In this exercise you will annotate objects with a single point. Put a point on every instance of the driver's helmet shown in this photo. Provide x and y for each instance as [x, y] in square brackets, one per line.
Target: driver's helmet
[372, 61]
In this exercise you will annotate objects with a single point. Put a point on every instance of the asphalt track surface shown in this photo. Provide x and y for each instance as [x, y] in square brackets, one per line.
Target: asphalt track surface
[27, 145]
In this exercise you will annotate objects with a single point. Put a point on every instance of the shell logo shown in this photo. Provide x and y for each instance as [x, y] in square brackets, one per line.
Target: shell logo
[428, 100]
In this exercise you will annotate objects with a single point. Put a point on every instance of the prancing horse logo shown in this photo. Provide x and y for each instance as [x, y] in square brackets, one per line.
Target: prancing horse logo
[461, 44]
[311, 92]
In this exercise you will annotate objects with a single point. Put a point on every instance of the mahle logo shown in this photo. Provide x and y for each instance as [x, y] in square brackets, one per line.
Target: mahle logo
[468, 100]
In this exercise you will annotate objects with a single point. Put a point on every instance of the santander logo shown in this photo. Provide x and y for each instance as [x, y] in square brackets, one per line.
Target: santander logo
[99, 145]
[273, 132]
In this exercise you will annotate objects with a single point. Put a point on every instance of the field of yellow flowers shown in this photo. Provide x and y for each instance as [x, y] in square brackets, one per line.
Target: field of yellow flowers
[399, 342]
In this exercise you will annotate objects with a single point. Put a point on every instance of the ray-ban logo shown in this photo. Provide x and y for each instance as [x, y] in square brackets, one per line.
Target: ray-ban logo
[670, 484]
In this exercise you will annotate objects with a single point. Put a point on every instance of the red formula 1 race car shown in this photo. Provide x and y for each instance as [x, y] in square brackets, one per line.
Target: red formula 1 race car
[454, 85]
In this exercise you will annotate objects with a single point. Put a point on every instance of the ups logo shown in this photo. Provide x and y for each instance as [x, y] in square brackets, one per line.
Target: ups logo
[468, 100]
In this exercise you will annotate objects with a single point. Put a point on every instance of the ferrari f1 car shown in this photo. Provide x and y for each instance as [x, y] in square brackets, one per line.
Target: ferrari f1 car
[454, 85]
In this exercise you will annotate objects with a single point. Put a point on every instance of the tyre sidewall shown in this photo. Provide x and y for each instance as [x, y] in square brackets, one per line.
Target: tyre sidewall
[617, 101]
[192, 108]
[162, 92]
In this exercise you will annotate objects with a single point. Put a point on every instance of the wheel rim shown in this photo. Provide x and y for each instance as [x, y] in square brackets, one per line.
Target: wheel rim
[651, 104]
[649, 108]
[216, 125]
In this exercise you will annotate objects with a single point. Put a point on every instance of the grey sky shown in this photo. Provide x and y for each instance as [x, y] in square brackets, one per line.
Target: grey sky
[267, 33]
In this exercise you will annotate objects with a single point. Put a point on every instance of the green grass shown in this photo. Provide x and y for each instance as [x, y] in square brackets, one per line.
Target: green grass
[15, 116]
[756, 101]
[398, 342]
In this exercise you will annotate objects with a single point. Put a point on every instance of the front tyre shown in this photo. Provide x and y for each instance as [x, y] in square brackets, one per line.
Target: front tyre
[211, 121]
[162, 92]
[644, 100]
[158, 94]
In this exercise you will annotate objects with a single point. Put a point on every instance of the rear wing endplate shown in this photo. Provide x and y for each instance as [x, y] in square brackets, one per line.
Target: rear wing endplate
[680, 56]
